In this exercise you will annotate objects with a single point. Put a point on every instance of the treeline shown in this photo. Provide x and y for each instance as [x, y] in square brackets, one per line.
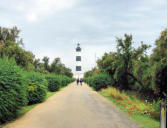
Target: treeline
[25, 80]
[11, 45]
[133, 69]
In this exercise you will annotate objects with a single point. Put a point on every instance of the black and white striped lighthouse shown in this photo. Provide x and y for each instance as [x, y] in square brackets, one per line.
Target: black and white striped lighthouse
[78, 69]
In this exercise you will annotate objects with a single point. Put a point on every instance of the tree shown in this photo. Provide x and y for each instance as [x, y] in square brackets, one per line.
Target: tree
[159, 61]
[11, 46]
[107, 64]
[46, 63]
[55, 66]
[92, 72]
[58, 68]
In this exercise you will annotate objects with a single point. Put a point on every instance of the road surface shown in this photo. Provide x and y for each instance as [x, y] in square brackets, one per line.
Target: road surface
[74, 107]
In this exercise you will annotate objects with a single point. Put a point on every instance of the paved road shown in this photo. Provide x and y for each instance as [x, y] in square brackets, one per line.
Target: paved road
[74, 107]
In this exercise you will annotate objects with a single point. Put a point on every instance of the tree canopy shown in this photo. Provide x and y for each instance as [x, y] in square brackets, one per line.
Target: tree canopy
[12, 46]
[133, 69]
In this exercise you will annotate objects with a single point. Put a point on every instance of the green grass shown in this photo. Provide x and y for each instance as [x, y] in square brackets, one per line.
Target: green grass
[49, 94]
[25, 109]
[145, 121]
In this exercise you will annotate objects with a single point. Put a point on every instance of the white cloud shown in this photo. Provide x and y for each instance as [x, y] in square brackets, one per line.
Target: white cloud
[44, 8]
[36, 10]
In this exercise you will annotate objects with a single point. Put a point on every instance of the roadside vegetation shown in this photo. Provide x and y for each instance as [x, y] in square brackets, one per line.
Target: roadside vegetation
[24, 80]
[133, 79]
[146, 113]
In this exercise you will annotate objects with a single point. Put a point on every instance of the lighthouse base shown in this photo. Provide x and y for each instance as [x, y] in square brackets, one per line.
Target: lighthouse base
[78, 75]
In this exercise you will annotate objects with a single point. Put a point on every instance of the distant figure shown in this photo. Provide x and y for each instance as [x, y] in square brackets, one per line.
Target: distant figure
[81, 81]
[77, 81]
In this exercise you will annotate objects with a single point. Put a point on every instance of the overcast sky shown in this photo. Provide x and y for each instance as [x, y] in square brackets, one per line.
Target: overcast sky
[54, 27]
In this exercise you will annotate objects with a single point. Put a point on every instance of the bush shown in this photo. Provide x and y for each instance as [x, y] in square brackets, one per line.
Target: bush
[65, 80]
[57, 81]
[99, 81]
[54, 82]
[37, 87]
[12, 89]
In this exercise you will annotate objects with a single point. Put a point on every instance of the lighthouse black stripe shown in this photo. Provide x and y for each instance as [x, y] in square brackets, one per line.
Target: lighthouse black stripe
[78, 58]
[78, 49]
[78, 68]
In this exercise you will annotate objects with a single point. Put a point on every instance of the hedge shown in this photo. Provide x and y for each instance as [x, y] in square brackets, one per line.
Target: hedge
[65, 80]
[54, 82]
[12, 89]
[99, 81]
[37, 87]
[57, 81]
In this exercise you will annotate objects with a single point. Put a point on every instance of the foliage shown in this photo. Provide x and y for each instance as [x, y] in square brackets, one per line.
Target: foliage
[12, 89]
[11, 46]
[120, 64]
[58, 68]
[90, 73]
[159, 61]
[131, 104]
[53, 82]
[65, 80]
[144, 119]
[99, 81]
[57, 81]
[46, 63]
[37, 87]
[132, 69]
[107, 63]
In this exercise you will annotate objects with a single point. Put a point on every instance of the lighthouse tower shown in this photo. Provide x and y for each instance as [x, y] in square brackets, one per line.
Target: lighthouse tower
[78, 69]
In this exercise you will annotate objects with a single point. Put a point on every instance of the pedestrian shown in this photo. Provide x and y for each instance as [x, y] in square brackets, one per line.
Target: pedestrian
[77, 81]
[81, 81]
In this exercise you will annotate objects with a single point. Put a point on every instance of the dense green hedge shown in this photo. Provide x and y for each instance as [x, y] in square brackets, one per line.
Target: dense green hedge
[99, 81]
[53, 82]
[37, 87]
[65, 80]
[57, 81]
[12, 89]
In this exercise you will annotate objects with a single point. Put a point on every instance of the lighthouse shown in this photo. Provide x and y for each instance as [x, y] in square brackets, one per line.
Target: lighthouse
[78, 68]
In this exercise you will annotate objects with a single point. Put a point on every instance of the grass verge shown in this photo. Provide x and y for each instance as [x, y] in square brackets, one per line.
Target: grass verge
[144, 119]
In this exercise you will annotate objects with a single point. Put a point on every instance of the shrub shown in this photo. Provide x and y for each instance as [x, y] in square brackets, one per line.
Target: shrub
[12, 89]
[57, 81]
[64, 80]
[37, 87]
[99, 81]
[54, 82]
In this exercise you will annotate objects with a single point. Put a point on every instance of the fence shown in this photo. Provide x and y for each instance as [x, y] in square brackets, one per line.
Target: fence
[163, 116]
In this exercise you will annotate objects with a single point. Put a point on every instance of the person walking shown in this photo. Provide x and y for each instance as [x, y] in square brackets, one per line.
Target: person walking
[81, 81]
[77, 81]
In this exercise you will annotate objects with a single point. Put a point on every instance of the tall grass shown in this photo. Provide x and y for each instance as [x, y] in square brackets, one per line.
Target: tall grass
[143, 112]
